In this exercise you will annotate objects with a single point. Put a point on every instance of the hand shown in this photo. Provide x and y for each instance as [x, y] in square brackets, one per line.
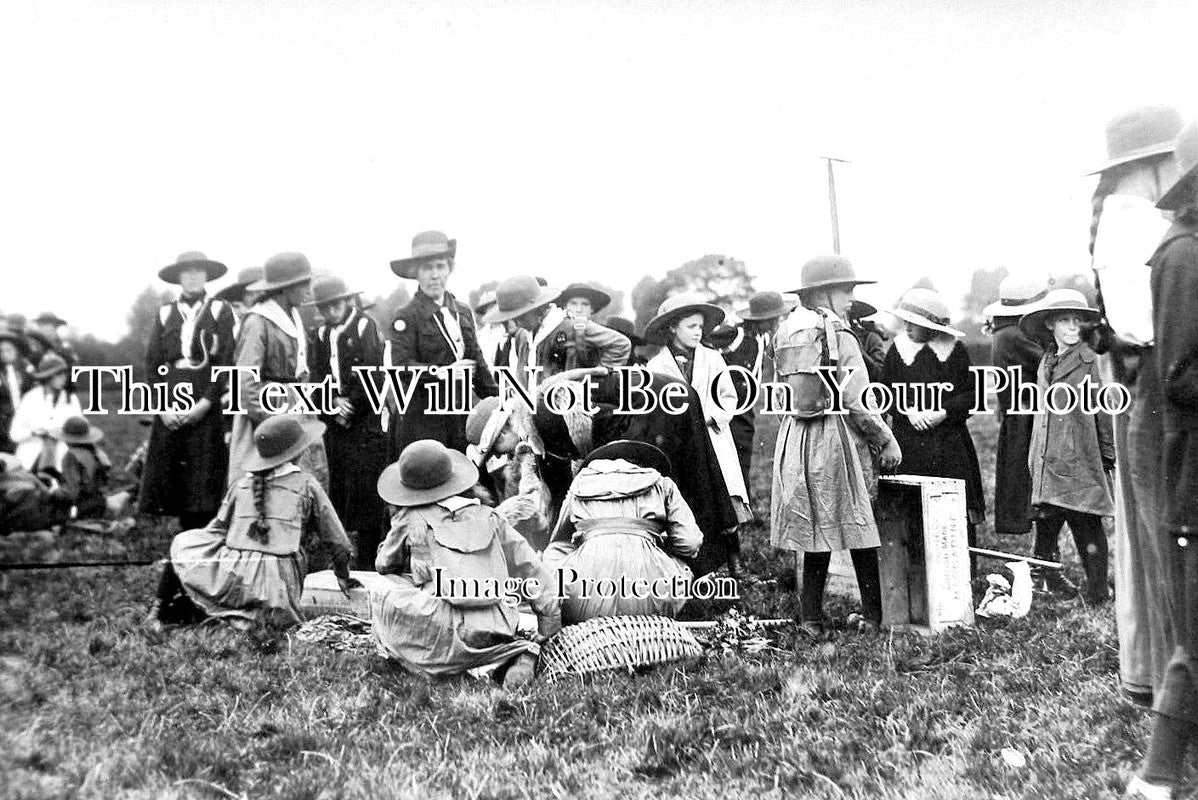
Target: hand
[171, 420]
[348, 582]
[547, 628]
[891, 455]
[934, 418]
[197, 413]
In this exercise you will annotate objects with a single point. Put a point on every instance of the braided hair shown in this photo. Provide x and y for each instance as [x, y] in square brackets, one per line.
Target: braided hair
[260, 529]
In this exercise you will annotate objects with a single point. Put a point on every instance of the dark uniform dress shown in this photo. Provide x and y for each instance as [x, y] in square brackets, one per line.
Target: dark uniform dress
[419, 337]
[1012, 480]
[356, 451]
[185, 468]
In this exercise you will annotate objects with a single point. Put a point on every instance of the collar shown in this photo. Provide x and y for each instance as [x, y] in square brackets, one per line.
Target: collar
[1073, 355]
[941, 346]
[191, 300]
[553, 318]
[431, 306]
[456, 503]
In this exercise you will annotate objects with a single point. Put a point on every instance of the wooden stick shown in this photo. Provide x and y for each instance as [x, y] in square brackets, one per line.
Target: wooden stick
[1012, 557]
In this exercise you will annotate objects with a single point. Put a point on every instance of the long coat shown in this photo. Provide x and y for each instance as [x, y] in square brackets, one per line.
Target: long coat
[1012, 347]
[417, 338]
[1069, 452]
[185, 468]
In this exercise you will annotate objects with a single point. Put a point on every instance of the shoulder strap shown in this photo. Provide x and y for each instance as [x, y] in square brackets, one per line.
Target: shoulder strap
[217, 308]
[362, 323]
[164, 313]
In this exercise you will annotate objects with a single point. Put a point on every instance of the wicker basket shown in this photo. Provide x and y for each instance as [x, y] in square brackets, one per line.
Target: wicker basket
[616, 643]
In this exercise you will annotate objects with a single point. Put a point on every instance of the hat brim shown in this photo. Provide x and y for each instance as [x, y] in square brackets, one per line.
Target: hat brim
[826, 284]
[93, 436]
[406, 267]
[924, 322]
[787, 307]
[15, 338]
[545, 296]
[170, 274]
[1180, 193]
[997, 309]
[313, 430]
[462, 475]
[598, 300]
[274, 286]
[1159, 149]
[655, 331]
[1032, 323]
[324, 301]
[41, 376]
[53, 319]
[640, 453]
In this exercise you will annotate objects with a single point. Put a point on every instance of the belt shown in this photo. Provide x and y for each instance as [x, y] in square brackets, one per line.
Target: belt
[647, 529]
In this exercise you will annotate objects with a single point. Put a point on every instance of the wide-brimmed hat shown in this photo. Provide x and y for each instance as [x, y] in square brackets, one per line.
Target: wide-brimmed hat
[517, 296]
[192, 259]
[640, 453]
[50, 365]
[77, 430]
[426, 246]
[823, 271]
[767, 305]
[7, 334]
[721, 336]
[329, 289]
[50, 318]
[1058, 300]
[235, 291]
[1186, 153]
[925, 308]
[678, 306]
[427, 471]
[281, 438]
[626, 327]
[859, 309]
[1140, 133]
[485, 302]
[281, 271]
[598, 298]
[1016, 296]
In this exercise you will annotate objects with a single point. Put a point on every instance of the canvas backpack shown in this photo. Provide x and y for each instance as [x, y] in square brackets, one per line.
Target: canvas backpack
[467, 549]
[796, 362]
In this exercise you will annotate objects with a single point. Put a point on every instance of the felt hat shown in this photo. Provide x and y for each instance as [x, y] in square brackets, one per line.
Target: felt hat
[517, 296]
[281, 271]
[1016, 297]
[925, 308]
[1058, 300]
[281, 438]
[50, 365]
[426, 246]
[427, 471]
[235, 291]
[598, 299]
[485, 303]
[626, 327]
[192, 259]
[1140, 133]
[329, 289]
[16, 321]
[859, 309]
[17, 337]
[77, 430]
[640, 453]
[721, 336]
[823, 271]
[767, 305]
[1186, 152]
[678, 306]
[50, 318]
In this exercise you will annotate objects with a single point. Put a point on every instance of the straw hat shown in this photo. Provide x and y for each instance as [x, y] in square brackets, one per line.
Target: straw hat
[598, 299]
[427, 471]
[50, 365]
[329, 289]
[192, 259]
[678, 306]
[1016, 297]
[235, 292]
[77, 430]
[517, 296]
[476, 421]
[1058, 300]
[281, 271]
[280, 439]
[639, 453]
[1186, 152]
[426, 246]
[626, 327]
[1140, 133]
[924, 308]
[823, 271]
[767, 305]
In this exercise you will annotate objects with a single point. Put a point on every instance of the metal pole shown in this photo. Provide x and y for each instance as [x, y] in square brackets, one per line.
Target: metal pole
[832, 202]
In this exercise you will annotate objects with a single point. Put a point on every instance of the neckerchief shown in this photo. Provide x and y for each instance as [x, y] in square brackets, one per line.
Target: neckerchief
[552, 319]
[292, 325]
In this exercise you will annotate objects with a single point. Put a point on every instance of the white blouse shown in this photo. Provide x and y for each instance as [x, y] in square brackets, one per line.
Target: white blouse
[38, 413]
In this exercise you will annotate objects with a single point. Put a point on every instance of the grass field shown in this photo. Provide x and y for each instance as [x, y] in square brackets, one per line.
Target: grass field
[93, 706]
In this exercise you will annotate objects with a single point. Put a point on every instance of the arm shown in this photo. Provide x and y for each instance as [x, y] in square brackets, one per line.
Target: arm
[1177, 352]
[331, 531]
[724, 399]
[613, 347]
[1102, 421]
[564, 531]
[683, 537]
[23, 420]
[394, 555]
[372, 356]
[154, 354]
[68, 490]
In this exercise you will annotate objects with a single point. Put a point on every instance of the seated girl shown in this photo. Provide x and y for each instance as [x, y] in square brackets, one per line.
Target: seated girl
[459, 572]
[624, 520]
[84, 472]
[248, 566]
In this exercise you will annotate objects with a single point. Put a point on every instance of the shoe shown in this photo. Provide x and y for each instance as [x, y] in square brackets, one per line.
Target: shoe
[521, 673]
[858, 623]
[1141, 789]
[1057, 585]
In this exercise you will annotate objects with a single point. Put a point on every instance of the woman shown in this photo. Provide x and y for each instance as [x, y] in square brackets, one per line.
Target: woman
[247, 566]
[825, 475]
[188, 457]
[15, 380]
[456, 569]
[624, 521]
[680, 324]
[273, 339]
[44, 408]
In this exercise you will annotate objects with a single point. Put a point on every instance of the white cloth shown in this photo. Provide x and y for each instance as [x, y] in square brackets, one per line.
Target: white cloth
[187, 334]
[292, 325]
[555, 317]
[12, 379]
[455, 504]
[763, 343]
[451, 329]
[335, 332]
[38, 412]
[1129, 230]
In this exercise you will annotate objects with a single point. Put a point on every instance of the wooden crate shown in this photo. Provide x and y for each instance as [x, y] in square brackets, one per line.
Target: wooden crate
[321, 594]
[924, 558]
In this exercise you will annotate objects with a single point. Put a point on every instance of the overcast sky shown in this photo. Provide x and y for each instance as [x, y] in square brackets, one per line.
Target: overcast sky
[593, 139]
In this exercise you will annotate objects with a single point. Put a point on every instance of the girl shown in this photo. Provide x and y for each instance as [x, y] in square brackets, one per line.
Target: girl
[248, 565]
[1071, 455]
[14, 380]
[42, 409]
[85, 468]
[624, 520]
[455, 566]
[935, 441]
